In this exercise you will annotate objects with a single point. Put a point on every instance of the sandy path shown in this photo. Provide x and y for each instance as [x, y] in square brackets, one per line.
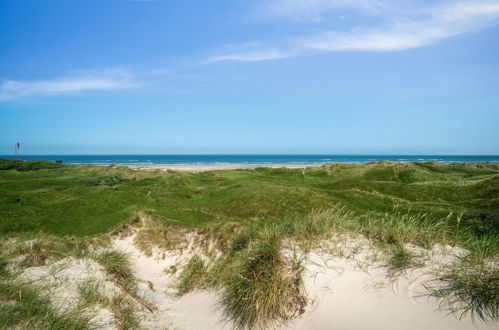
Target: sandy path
[192, 311]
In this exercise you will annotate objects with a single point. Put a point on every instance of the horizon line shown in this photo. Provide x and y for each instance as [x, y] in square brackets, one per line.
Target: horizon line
[254, 154]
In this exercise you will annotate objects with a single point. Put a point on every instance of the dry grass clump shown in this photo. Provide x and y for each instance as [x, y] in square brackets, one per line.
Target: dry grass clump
[33, 252]
[398, 229]
[400, 259]
[472, 289]
[481, 248]
[390, 229]
[260, 291]
[39, 250]
[91, 293]
[315, 226]
[23, 307]
[124, 312]
[194, 275]
[117, 265]
[158, 232]
[259, 286]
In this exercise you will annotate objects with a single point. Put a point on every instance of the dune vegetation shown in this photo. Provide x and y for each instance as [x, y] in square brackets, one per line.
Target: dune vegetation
[245, 219]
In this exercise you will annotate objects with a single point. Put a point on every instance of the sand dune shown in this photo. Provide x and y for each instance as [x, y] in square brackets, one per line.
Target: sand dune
[345, 292]
[346, 297]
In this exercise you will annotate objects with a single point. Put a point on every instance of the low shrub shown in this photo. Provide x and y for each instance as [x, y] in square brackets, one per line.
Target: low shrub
[25, 166]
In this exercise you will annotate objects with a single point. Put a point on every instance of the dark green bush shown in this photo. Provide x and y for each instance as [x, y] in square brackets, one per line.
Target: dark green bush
[481, 222]
[25, 166]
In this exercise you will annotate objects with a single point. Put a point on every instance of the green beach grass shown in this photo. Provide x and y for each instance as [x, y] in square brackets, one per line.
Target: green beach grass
[89, 200]
[249, 214]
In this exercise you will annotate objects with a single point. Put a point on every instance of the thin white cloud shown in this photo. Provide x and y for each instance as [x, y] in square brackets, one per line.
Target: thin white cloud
[251, 56]
[441, 23]
[422, 25]
[95, 80]
[315, 10]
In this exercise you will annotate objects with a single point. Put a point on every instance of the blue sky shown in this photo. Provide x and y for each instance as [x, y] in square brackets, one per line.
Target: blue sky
[249, 76]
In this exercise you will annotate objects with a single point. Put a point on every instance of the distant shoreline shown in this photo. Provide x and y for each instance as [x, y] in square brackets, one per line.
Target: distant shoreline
[204, 168]
[197, 162]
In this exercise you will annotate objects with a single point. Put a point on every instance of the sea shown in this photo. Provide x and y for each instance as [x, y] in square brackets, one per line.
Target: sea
[248, 160]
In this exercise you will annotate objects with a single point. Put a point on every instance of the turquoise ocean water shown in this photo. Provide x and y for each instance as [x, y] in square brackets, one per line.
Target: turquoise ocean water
[249, 160]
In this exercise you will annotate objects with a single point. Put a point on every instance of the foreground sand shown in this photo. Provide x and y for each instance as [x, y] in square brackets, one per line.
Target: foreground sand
[346, 297]
[347, 291]
[347, 284]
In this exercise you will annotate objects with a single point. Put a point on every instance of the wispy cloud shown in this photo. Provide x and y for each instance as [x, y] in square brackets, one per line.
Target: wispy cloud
[251, 56]
[81, 81]
[397, 28]
[441, 23]
[315, 10]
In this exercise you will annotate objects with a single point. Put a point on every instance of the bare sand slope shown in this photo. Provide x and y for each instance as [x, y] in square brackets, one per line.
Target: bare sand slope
[196, 310]
[346, 297]
[341, 294]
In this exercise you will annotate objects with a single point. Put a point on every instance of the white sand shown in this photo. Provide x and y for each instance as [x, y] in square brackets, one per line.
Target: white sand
[196, 310]
[341, 295]
[61, 280]
[345, 297]
[204, 168]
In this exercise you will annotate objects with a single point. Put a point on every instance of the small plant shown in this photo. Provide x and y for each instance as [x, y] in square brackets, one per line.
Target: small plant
[91, 293]
[194, 275]
[117, 265]
[33, 252]
[398, 228]
[260, 290]
[24, 307]
[469, 289]
[170, 270]
[315, 225]
[3, 267]
[241, 241]
[481, 248]
[157, 232]
[110, 180]
[124, 313]
[400, 259]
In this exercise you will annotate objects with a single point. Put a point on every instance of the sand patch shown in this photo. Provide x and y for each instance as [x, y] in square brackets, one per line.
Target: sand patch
[61, 281]
[197, 310]
[346, 294]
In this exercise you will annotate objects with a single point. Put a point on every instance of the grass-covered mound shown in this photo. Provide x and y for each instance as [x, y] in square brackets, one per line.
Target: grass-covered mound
[86, 200]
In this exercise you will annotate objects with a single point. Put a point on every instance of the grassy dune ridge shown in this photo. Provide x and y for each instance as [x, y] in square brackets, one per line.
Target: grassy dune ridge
[87, 200]
[252, 216]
